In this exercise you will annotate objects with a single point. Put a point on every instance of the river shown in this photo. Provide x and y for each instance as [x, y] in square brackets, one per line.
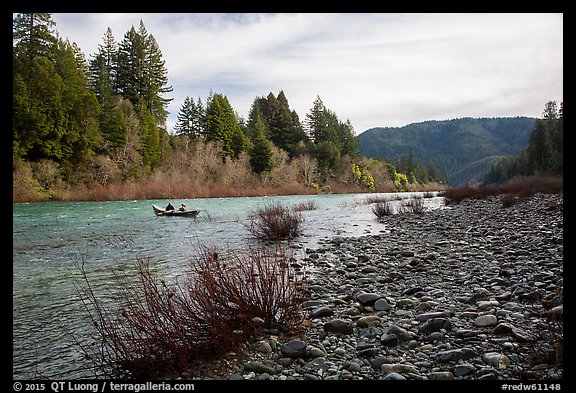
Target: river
[52, 239]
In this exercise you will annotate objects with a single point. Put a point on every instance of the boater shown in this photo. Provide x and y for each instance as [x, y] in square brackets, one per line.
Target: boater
[182, 208]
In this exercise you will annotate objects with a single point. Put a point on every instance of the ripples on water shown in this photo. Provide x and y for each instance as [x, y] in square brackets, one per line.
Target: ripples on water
[51, 239]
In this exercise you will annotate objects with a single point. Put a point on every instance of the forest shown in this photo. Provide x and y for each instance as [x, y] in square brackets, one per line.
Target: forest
[95, 129]
[463, 149]
[544, 154]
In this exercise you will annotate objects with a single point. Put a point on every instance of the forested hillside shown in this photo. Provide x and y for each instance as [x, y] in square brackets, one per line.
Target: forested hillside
[95, 128]
[544, 154]
[462, 149]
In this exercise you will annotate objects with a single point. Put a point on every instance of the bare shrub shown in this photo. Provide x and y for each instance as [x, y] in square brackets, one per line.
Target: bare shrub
[263, 282]
[306, 205]
[521, 186]
[381, 209]
[414, 205]
[152, 330]
[275, 222]
[375, 199]
[458, 194]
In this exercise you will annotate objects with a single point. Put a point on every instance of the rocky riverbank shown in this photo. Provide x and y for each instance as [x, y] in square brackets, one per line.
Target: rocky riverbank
[471, 291]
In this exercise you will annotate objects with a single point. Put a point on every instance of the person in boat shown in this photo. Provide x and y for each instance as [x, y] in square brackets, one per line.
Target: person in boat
[182, 208]
[169, 207]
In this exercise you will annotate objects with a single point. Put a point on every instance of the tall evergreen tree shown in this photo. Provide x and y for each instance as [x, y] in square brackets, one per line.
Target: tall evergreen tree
[190, 119]
[544, 153]
[32, 35]
[103, 80]
[150, 135]
[79, 103]
[222, 126]
[53, 109]
[316, 124]
[103, 68]
[254, 116]
[347, 138]
[261, 154]
[142, 75]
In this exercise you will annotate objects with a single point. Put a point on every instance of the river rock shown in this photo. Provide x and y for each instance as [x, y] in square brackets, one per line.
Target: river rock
[401, 333]
[496, 359]
[321, 312]
[294, 349]
[486, 320]
[263, 346]
[502, 328]
[382, 305]
[259, 367]
[453, 355]
[389, 340]
[367, 299]
[429, 315]
[367, 320]
[451, 316]
[462, 369]
[441, 376]
[338, 326]
[435, 325]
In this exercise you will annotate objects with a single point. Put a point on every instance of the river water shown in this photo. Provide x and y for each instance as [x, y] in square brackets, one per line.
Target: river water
[52, 239]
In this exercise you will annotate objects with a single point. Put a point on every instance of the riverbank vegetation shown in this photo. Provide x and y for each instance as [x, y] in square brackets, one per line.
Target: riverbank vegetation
[152, 329]
[96, 130]
[516, 188]
[544, 155]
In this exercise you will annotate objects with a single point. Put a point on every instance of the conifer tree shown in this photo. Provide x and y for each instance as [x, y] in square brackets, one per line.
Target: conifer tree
[32, 35]
[103, 68]
[222, 126]
[142, 75]
[190, 119]
[261, 154]
[316, 124]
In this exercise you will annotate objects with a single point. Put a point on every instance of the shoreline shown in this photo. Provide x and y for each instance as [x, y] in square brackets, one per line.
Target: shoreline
[471, 292]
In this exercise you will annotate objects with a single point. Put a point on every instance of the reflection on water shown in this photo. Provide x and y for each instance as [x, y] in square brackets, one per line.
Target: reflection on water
[51, 239]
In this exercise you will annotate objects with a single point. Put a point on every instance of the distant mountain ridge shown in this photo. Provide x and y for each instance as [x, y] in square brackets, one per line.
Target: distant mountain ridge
[463, 149]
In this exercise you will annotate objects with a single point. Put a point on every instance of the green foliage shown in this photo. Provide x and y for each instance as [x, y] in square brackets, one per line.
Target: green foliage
[332, 138]
[32, 35]
[450, 144]
[222, 126]
[103, 121]
[261, 154]
[401, 181]
[282, 125]
[544, 153]
[150, 135]
[190, 119]
[142, 75]
[363, 177]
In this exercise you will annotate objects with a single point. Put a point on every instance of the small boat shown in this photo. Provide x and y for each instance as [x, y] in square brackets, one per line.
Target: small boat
[186, 213]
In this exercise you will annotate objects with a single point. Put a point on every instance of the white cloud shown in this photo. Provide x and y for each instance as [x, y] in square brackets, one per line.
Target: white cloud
[374, 69]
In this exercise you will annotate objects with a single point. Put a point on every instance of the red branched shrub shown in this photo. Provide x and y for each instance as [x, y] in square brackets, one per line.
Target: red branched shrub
[275, 222]
[381, 209]
[152, 330]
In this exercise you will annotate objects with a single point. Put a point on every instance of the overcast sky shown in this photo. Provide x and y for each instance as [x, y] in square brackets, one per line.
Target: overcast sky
[375, 69]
